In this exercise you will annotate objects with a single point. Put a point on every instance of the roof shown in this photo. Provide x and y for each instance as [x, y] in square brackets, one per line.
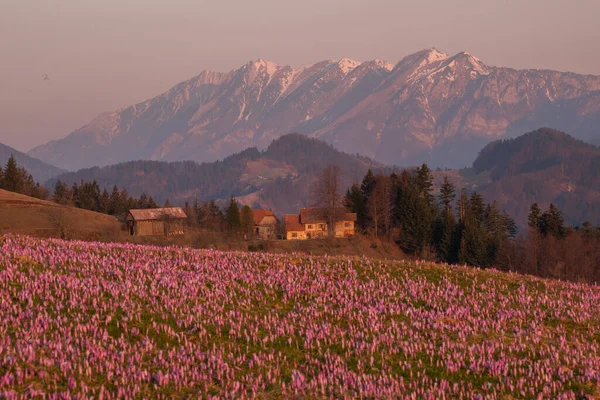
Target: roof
[312, 215]
[157, 213]
[292, 222]
[259, 215]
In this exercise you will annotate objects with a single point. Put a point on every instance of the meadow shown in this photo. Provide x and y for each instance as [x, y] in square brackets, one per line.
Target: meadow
[86, 319]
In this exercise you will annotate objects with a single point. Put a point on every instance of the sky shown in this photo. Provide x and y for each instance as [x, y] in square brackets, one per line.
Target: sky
[102, 55]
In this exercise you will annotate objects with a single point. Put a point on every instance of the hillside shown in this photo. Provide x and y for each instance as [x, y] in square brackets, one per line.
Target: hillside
[544, 166]
[176, 323]
[430, 107]
[40, 171]
[278, 178]
[29, 216]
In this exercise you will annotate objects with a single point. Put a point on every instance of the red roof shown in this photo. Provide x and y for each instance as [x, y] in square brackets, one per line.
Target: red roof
[292, 222]
[259, 215]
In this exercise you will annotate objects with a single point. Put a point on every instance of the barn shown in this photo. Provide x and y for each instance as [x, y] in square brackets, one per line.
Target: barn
[156, 221]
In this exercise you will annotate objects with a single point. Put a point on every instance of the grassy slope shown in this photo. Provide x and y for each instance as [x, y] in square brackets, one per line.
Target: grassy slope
[27, 215]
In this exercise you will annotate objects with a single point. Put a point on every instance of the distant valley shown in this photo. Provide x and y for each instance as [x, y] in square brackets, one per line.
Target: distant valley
[429, 107]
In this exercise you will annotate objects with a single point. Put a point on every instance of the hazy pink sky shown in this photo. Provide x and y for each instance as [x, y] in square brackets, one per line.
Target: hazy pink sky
[102, 55]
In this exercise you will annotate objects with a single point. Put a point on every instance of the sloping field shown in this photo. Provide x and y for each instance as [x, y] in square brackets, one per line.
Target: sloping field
[119, 320]
[27, 215]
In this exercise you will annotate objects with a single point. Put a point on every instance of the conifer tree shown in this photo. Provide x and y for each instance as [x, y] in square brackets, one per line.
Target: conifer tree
[473, 245]
[115, 205]
[477, 205]
[143, 201]
[167, 204]
[552, 223]
[232, 215]
[152, 203]
[355, 202]
[60, 195]
[534, 217]
[448, 244]
[247, 220]
[447, 194]
[367, 185]
[424, 181]
[12, 179]
[104, 202]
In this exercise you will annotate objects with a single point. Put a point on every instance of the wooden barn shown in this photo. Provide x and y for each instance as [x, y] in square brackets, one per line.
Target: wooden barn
[156, 221]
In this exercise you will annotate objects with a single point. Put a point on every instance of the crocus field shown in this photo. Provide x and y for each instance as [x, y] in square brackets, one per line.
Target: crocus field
[83, 320]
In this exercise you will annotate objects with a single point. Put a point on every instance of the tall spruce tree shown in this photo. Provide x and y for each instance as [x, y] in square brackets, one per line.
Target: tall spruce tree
[473, 243]
[367, 185]
[477, 205]
[424, 181]
[447, 194]
[232, 215]
[448, 244]
[533, 220]
[552, 223]
[115, 206]
[13, 179]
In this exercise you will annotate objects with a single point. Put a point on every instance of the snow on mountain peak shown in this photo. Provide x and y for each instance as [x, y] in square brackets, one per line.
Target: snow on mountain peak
[433, 55]
[383, 64]
[347, 65]
[270, 66]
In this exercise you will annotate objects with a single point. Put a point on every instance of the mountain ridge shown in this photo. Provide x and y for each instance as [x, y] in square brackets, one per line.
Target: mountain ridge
[275, 178]
[429, 106]
[40, 170]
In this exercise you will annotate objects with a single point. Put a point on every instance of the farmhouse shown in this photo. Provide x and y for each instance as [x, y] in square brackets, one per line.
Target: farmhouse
[156, 221]
[312, 223]
[264, 223]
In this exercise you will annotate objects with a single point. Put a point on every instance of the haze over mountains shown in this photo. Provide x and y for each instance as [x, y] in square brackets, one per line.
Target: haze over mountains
[38, 169]
[430, 107]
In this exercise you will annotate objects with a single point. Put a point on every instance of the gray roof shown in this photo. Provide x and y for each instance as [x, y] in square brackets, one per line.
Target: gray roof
[157, 213]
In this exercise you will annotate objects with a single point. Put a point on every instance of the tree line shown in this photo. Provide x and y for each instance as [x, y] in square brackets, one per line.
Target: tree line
[16, 179]
[85, 195]
[462, 228]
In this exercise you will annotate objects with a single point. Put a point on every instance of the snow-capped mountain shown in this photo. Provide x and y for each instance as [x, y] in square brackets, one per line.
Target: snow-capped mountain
[429, 107]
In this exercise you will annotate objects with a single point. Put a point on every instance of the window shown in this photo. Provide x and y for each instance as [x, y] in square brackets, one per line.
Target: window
[346, 224]
[322, 226]
[294, 235]
[310, 226]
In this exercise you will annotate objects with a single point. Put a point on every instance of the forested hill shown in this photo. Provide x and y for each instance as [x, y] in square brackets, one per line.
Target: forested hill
[278, 178]
[38, 169]
[544, 166]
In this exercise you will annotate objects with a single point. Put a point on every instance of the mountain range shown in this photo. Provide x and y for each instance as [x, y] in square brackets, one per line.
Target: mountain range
[38, 169]
[429, 107]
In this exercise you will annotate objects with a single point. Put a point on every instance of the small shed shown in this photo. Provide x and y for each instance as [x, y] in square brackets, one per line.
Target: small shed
[156, 221]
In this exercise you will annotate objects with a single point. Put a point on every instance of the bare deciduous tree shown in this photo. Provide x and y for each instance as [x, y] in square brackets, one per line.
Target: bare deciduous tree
[327, 195]
[379, 206]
